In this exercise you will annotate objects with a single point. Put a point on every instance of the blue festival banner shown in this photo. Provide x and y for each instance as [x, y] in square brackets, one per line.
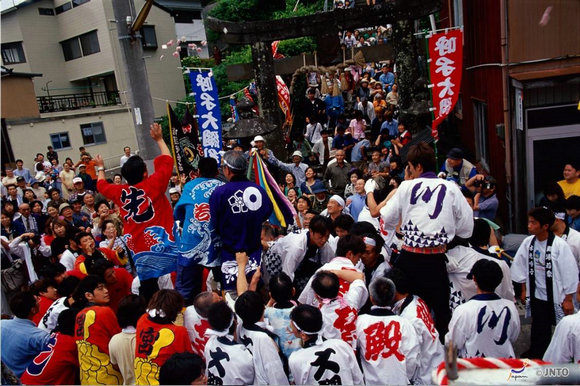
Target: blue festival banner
[208, 109]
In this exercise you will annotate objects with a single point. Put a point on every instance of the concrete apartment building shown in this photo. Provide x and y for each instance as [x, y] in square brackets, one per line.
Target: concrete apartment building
[70, 52]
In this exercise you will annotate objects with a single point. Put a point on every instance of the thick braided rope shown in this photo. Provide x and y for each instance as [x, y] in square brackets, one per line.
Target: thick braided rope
[485, 363]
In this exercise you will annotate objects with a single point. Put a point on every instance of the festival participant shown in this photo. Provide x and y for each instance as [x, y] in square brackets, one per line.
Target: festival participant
[561, 229]
[573, 212]
[21, 341]
[571, 183]
[122, 345]
[387, 342]
[339, 312]
[47, 293]
[330, 361]
[278, 312]
[157, 337]
[145, 212]
[374, 263]
[334, 207]
[460, 259]
[432, 211]
[303, 253]
[183, 369]
[118, 280]
[548, 273]
[90, 254]
[227, 363]
[336, 173]
[565, 345]
[487, 325]
[254, 334]
[349, 250]
[58, 362]
[356, 203]
[412, 308]
[237, 211]
[458, 169]
[197, 241]
[95, 325]
[65, 291]
[195, 320]
[23, 172]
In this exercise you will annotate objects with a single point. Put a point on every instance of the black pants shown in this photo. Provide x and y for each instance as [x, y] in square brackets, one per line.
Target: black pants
[148, 288]
[427, 275]
[190, 280]
[543, 318]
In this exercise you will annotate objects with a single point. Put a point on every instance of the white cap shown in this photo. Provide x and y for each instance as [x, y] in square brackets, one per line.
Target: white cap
[173, 190]
[77, 179]
[259, 138]
[297, 153]
[339, 200]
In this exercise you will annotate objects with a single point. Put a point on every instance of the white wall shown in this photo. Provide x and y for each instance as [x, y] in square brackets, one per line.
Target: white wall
[27, 139]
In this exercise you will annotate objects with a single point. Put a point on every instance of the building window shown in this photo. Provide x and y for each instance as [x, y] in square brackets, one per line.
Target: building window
[13, 53]
[93, 133]
[63, 8]
[148, 37]
[480, 127]
[60, 140]
[46, 11]
[71, 49]
[82, 45]
[90, 43]
[76, 3]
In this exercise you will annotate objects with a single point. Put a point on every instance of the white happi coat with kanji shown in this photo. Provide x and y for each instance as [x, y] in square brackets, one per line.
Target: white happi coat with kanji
[332, 363]
[388, 347]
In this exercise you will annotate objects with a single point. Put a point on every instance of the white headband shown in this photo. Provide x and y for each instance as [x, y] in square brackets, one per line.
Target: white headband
[370, 241]
[560, 215]
[339, 200]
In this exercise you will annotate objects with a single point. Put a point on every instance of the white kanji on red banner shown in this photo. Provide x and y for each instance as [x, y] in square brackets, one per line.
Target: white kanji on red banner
[446, 53]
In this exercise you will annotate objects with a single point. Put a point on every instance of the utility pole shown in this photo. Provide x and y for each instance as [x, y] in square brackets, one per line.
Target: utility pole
[136, 75]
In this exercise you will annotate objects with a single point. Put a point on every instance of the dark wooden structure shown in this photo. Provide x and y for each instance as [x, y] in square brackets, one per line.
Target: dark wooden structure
[261, 33]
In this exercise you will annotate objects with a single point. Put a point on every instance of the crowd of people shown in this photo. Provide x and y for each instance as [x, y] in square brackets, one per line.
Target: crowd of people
[149, 279]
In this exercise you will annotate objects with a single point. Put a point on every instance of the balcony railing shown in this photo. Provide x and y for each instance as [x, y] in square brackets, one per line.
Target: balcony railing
[49, 104]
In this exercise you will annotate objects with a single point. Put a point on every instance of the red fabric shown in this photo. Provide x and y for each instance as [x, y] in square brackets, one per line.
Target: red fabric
[156, 343]
[43, 305]
[57, 364]
[100, 331]
[149, 194]
[110, 254]
[121, 288]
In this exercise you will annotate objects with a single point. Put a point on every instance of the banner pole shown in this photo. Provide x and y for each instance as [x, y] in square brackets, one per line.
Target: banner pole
[171, 139]
[431, 96]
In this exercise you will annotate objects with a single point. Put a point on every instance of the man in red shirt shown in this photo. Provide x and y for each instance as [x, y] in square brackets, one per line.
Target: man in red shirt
[95, 325]
[47, 293]
[118, 281]
[146, 213]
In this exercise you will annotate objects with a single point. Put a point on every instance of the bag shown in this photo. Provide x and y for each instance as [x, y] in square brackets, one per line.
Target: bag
[14, 278]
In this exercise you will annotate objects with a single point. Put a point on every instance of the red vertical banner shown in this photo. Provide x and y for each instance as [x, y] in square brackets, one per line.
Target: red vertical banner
[445, 68]
[284, 99]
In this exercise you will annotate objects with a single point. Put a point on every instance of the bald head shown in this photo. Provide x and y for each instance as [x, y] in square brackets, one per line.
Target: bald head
[203, 302]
